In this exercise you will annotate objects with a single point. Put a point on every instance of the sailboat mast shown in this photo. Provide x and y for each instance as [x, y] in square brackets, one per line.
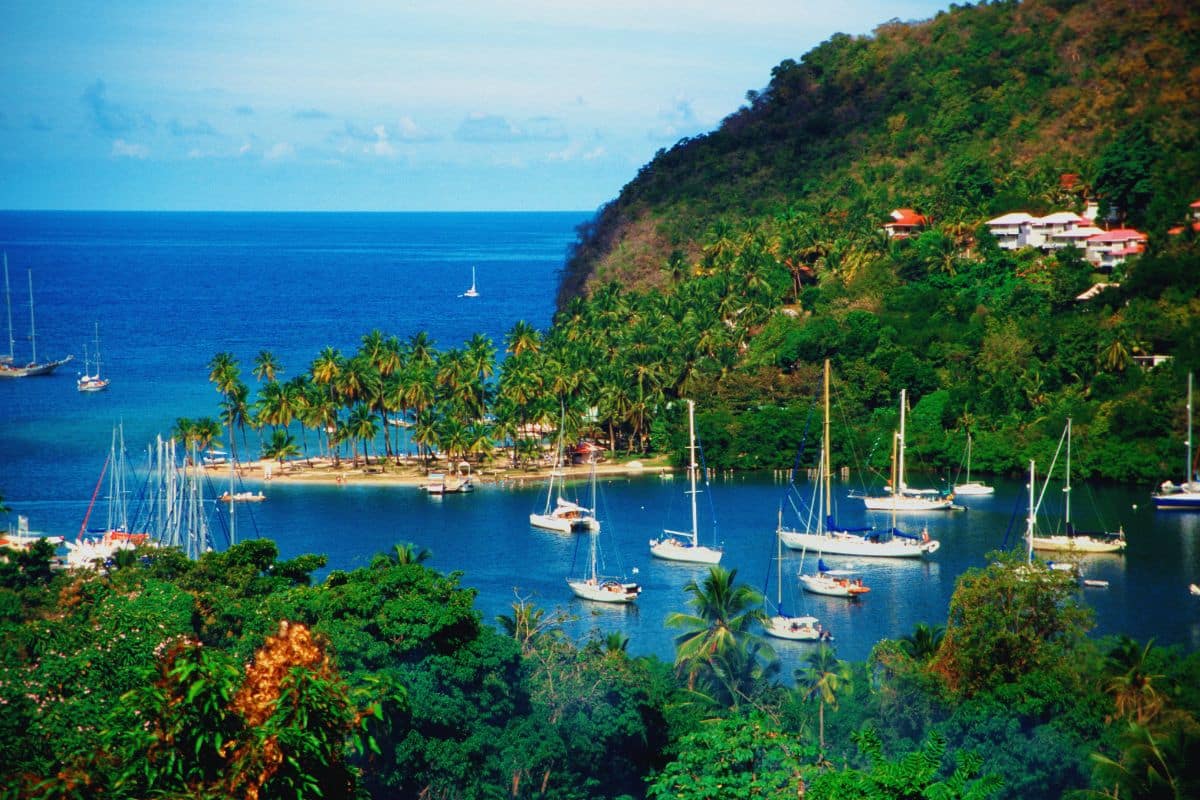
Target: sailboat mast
[1066, 488]
[825, 474]
[692, 469]
[8, 307]
[968, 458]
[232, 503]
[1187, 475]
[899, 487]
[32, 328]
[1029, 519]
[779, 562]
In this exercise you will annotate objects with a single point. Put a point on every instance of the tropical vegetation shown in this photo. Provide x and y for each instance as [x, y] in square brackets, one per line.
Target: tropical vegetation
[240, 674]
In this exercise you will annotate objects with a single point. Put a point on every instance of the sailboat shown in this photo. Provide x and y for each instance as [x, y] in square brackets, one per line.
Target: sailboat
[560, 514]
[821, 535]
[593, 585]
[836, 583]
[21, 538]
[1071, 539]
[472, 292]
[899, 497]
[1184, 496]
[971, 488]
[92, 383]
[780, 624]
[116, 534]
[10, 369]
[685, 545]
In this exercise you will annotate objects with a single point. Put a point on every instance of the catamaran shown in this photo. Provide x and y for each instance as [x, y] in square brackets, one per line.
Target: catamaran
[685, 545]
[472, 292]
[9, 368]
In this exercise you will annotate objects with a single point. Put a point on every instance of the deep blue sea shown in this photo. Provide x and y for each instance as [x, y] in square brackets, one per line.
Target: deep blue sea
[171, 290]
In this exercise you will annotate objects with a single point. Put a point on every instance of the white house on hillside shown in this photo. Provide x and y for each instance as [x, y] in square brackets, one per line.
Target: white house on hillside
[1043, 229]
[1011, 230]
[1109, 248]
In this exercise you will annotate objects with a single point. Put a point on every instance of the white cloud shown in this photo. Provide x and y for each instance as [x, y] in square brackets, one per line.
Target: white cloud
[245, 148]
[410, 131]
[124, 149]
[677, 121]
[381, 146]
[279, 151]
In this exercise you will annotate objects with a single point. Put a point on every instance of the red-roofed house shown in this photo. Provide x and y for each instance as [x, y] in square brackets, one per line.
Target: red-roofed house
[905, 222]
[1110, 248]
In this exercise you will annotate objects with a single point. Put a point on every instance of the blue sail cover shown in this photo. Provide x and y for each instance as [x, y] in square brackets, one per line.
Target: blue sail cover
[821, 565]
[831, 525]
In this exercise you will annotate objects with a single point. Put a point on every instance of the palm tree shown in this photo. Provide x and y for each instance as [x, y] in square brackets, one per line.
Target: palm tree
[326, 368]
[522, 338]
[1130, 682]
[1151, 765]
[361, 426]
[823, 678]
[421, 349]
[281, 447]
[720, 625]
[923, 643]
[409, 553]
[266, 366]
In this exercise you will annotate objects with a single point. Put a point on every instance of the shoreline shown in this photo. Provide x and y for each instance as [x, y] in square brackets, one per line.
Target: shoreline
[324, 471]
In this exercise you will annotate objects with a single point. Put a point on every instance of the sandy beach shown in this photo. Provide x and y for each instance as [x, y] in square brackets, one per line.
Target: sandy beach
[410, 473]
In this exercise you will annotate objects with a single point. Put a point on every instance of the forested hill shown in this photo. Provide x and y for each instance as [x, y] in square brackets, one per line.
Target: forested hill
[735, 262]
[972, 114]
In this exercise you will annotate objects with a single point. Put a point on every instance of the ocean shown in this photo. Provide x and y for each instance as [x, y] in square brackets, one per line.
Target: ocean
[169, 290]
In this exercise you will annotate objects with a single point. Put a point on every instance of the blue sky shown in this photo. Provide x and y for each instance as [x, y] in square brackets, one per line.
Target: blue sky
[402, 105]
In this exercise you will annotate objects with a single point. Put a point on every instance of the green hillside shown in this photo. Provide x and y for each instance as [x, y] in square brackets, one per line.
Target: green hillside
[969, 115]
[735, 261]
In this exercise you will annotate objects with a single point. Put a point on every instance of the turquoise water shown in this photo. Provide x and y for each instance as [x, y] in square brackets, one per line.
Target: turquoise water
[170, 290]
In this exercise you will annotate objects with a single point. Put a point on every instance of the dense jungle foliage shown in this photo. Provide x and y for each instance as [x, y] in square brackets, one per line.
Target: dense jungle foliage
[238, 676]
[736, 261]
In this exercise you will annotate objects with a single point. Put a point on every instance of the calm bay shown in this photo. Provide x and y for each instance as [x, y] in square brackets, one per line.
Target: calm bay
[170, 290]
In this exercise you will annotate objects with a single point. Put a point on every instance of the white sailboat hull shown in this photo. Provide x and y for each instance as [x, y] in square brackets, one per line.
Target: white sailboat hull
[972, 489]
[823, 583]
[1079, 544]
[1182, 498]
[671, 549]
[31, 370]
[558, 524]
[92, 384]
[602, 590]
[907, 502]
[796, 629]
[843, 544]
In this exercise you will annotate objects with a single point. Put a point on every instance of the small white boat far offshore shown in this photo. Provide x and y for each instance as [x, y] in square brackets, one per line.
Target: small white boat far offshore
[472, 292]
